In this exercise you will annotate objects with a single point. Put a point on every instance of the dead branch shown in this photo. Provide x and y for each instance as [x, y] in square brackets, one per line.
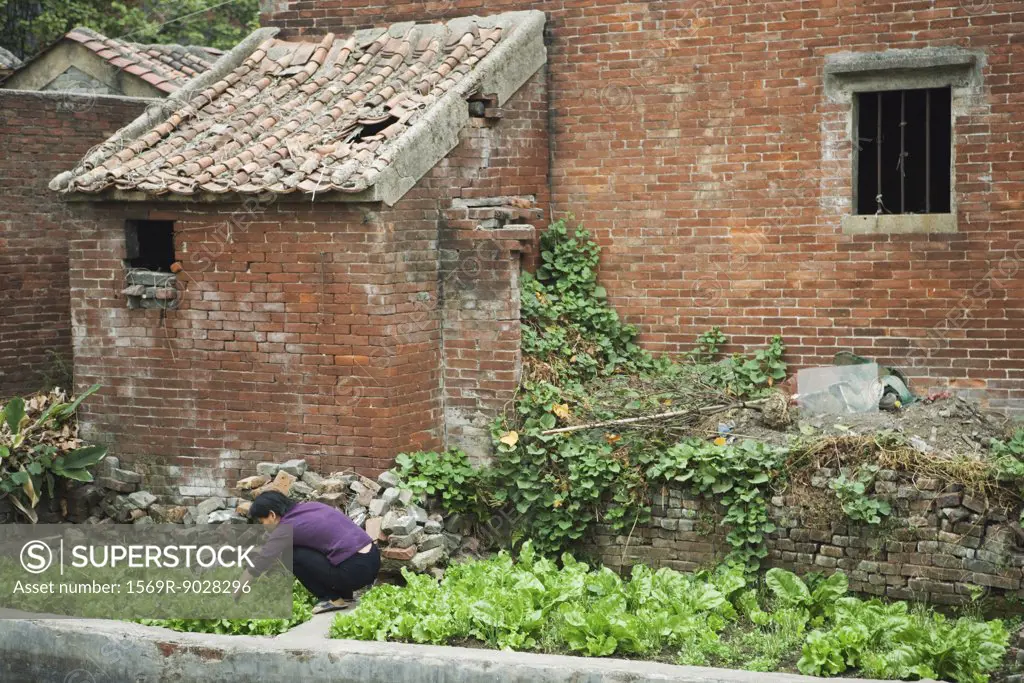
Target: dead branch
[704, 410]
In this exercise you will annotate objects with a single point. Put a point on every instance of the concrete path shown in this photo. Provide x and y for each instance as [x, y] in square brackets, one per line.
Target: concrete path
[307, 634]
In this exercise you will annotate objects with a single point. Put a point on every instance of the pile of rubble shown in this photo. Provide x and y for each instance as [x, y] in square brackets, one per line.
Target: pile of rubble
[391, 514]
[938, 423]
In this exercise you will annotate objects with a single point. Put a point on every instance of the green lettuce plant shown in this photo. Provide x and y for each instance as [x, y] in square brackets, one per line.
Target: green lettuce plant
[711, 618]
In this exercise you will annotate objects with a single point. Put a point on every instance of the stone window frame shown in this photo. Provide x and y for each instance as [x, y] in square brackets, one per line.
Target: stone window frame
[850, 73]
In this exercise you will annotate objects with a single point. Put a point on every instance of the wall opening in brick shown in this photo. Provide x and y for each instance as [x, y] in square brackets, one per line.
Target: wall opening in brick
[149, 244]
[903, 151]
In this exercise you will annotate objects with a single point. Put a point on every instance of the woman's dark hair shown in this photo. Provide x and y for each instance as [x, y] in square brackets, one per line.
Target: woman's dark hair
[271, 501]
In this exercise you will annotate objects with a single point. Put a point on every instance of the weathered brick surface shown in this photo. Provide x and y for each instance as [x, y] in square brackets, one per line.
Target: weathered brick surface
[917, 553]
[41, 134]
[305, 329]
[696, 140]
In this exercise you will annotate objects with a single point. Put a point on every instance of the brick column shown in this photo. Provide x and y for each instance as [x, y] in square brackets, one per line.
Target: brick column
[481, 255]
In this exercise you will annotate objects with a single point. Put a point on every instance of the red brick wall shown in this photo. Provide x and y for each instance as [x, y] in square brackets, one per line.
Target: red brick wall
[307, 330]
[41, 135]
[284, 344]
[694, 139]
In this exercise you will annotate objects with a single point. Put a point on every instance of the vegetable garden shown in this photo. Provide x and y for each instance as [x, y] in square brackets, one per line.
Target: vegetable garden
[715, 618]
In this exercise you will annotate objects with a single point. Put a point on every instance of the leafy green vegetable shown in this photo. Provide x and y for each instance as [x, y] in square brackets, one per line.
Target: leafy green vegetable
[708, 618]
[302, 611]
[888, 641]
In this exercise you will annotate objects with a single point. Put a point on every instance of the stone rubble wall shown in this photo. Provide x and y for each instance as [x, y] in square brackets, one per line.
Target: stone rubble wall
[940, 545]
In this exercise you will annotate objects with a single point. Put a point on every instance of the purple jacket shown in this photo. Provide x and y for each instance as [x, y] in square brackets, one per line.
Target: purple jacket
[316, 526]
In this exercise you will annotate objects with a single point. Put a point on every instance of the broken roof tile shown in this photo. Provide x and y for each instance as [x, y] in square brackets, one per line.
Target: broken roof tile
[330, 115]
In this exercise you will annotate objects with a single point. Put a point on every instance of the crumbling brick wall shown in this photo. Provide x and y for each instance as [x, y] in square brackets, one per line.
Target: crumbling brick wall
[939, 545]
[489, 226]
[304, 329]
[696, 139]
[41, 135]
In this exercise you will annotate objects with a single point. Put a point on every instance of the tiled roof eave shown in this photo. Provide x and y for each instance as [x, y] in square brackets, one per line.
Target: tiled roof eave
[509, 66]
[369, 195]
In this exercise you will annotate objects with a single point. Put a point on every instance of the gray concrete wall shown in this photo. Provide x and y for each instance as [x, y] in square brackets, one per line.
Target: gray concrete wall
[88, 651]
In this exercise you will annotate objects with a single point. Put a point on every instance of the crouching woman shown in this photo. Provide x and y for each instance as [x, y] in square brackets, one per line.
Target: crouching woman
[331, 555]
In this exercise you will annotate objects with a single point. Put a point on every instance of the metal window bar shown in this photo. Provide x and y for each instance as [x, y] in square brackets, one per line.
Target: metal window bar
[903, 153]
[878, 152]
[927, 151]
[902, 164]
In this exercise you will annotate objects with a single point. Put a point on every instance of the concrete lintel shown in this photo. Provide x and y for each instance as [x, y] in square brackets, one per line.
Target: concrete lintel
[928, 67]
[53, 650]
[922, 58]
[899, 224]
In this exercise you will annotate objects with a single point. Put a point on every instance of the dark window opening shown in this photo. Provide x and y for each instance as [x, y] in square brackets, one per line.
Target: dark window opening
[150, 244]
[903, 151]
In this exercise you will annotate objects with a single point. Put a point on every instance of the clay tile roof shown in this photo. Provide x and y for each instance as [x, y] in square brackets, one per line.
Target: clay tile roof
[167, 67]
[8, 60]
[359, 118]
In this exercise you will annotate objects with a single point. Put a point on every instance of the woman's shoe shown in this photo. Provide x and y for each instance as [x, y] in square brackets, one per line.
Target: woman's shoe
[335, 605]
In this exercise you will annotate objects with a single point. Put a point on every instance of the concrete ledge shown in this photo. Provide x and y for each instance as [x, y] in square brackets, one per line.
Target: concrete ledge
[899, 224]
[850, 72]
[87, 651]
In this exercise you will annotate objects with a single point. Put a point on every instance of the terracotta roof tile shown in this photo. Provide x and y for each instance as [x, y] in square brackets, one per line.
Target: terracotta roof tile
[319, 116]
[175, 64]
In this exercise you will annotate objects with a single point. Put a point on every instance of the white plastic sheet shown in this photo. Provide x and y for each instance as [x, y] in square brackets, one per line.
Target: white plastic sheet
[839, 389]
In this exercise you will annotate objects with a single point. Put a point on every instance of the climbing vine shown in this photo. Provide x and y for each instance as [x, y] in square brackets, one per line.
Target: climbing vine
[582, 364]
[735, 476]
[568, 325]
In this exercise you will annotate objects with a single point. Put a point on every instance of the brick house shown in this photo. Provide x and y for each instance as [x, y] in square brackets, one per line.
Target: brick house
[86, 61]
[724, 156]
[312, 250]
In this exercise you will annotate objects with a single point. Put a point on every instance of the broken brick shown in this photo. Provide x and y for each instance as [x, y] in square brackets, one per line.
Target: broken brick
[401, 554]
